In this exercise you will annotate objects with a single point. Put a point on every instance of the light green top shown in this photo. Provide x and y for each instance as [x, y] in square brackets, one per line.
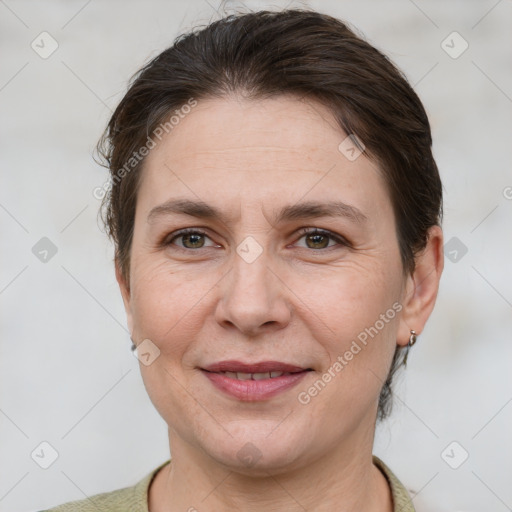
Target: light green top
[135, 498]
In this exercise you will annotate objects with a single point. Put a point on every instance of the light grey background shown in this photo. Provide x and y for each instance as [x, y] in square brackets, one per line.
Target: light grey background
[67, 375]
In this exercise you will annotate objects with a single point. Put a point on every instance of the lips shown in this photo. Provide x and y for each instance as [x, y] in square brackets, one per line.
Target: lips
[252, 368]
[255, 381]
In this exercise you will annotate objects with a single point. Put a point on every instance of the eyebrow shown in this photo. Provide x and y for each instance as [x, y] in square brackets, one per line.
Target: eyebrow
[305, 210]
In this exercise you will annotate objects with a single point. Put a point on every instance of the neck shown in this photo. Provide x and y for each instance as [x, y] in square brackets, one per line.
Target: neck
[343, 479]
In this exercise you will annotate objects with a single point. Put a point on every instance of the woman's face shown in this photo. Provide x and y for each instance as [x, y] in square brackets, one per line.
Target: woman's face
[249, 285]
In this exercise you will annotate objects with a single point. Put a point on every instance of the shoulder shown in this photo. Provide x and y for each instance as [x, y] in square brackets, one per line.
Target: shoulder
[402, 501]
[115, 501]
[134, 498]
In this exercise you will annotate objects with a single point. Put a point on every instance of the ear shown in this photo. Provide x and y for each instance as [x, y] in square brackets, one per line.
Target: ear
[420, 290]
[125, 293]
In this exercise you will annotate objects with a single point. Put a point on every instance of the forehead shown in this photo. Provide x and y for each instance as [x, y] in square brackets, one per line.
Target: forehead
[238, 127]
[256, 151]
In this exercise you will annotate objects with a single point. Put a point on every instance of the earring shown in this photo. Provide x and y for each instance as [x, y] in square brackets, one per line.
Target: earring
[133, 345]
[412, 341]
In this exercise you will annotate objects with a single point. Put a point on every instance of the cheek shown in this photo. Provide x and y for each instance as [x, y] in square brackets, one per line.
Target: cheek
[348, 300]
[168, 304]
[358, 313]
[165, 305]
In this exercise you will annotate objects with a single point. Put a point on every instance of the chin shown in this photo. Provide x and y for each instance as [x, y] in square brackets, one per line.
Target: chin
[253, 462]
[258, 453]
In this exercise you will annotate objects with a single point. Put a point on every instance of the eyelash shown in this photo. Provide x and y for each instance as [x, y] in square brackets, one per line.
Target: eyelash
[303, 232]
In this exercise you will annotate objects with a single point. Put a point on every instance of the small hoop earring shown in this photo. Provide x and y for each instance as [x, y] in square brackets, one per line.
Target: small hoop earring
[413, 338]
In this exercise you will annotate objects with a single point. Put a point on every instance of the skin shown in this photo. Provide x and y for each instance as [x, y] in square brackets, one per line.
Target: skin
[302, 301]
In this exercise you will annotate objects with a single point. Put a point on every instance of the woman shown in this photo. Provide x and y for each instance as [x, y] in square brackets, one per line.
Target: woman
[275, 208]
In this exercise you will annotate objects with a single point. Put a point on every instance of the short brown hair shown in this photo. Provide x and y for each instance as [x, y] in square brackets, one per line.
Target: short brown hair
[266, 54]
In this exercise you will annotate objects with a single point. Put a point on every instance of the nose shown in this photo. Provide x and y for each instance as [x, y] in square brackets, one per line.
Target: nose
[254, 297]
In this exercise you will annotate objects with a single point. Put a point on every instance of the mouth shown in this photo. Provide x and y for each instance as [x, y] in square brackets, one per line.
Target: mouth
[255, 381]
[254, 376]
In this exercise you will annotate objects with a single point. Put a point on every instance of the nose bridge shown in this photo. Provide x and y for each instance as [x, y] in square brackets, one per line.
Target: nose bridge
[250, 274]
[253, 295]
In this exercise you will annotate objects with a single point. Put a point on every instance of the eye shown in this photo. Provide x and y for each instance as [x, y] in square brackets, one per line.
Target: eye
[191, 239]
[319, 238]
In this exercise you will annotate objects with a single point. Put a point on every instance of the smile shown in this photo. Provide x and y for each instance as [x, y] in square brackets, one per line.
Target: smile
[254, 387]
[253, 376]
